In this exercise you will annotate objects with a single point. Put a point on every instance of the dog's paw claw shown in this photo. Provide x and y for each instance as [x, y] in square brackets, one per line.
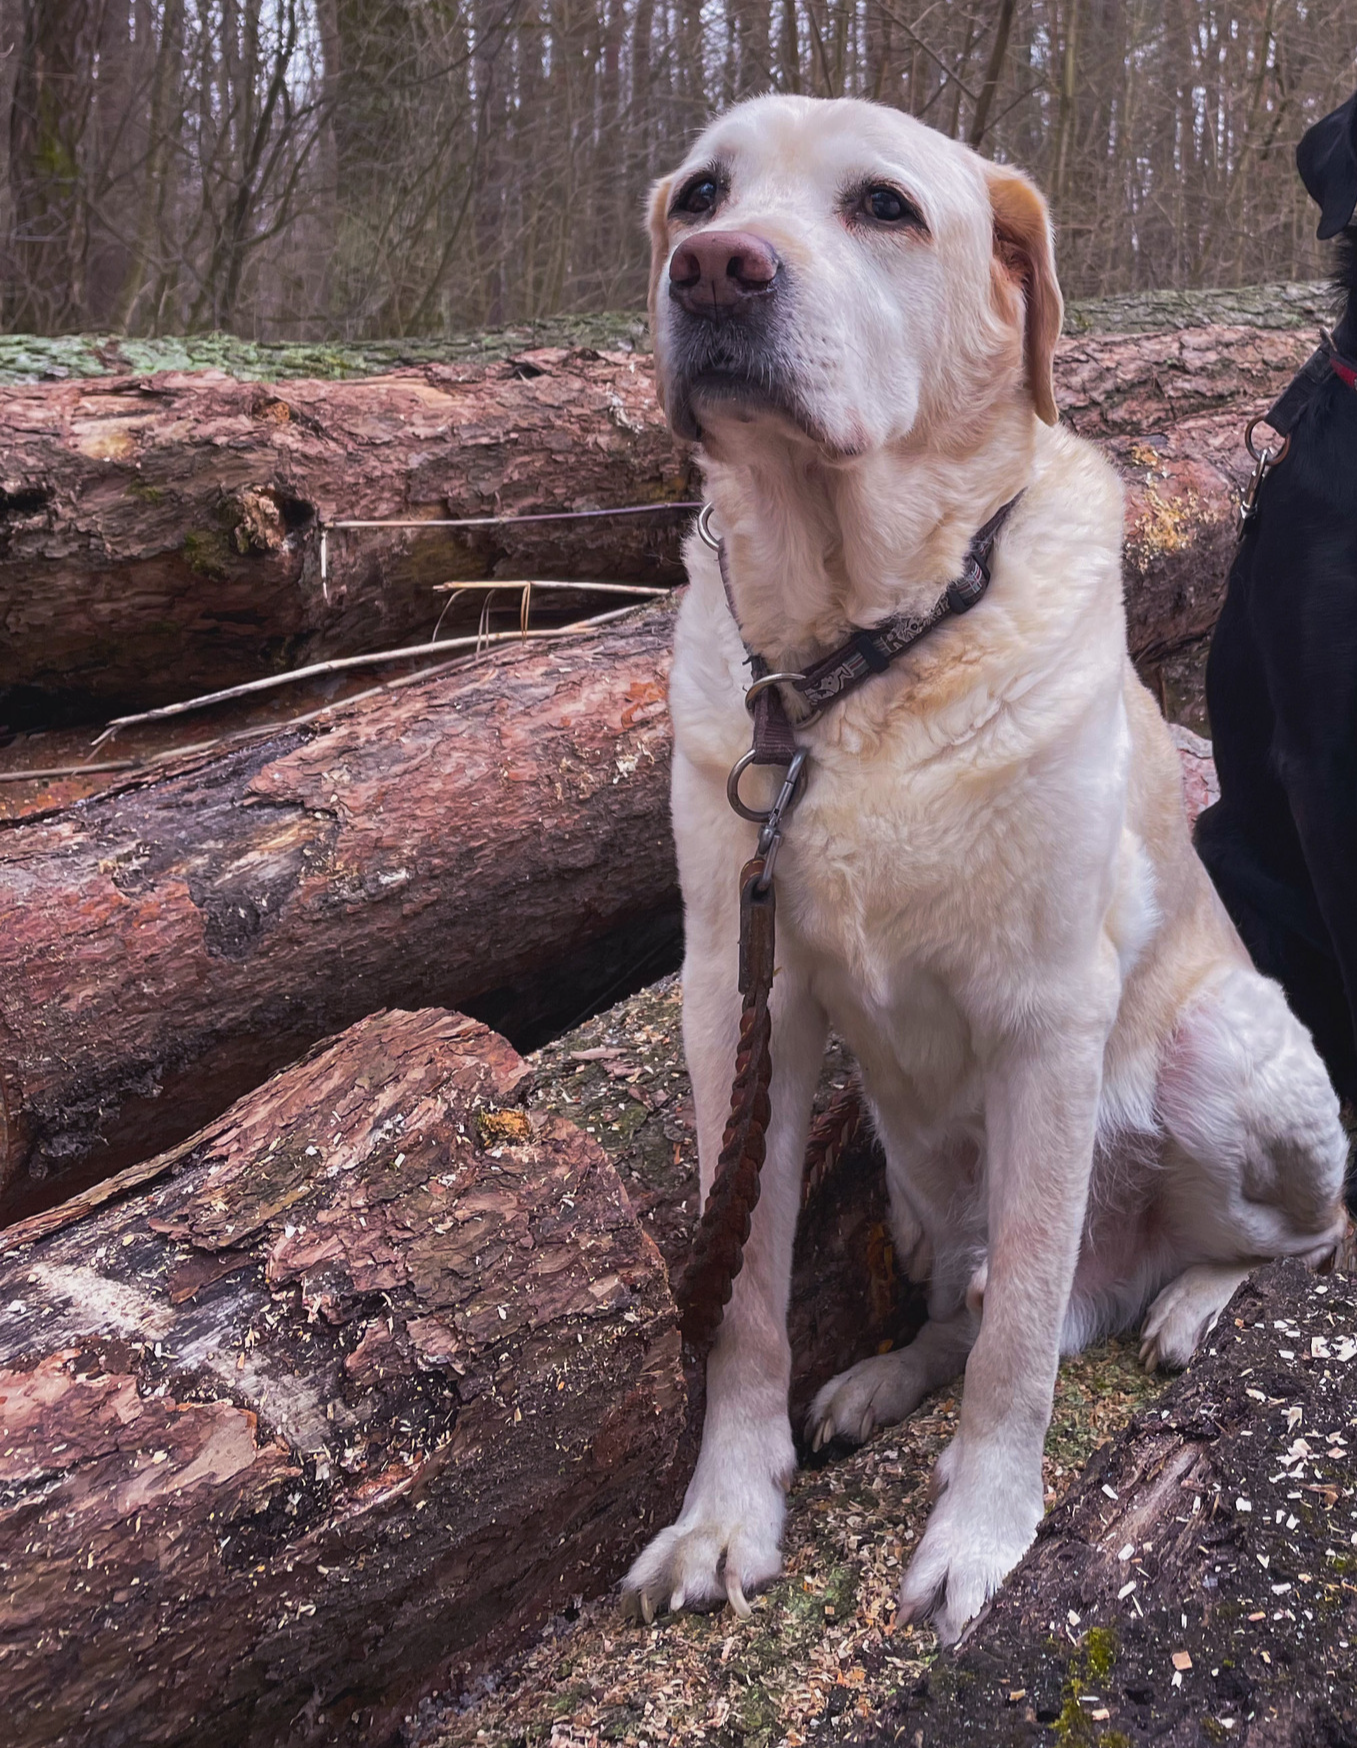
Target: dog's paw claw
[1185, 1313]
[735, 1596]
[874, 1393]
[721, 1551]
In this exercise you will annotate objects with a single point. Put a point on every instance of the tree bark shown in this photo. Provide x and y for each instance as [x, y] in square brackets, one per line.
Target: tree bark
[344, 1395]
[1196, 1586]
[158, 535]
[174, 940]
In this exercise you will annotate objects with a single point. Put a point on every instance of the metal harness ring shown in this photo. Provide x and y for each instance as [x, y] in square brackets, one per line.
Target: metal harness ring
[765, 681]
[789, 793]
[762, 684]
[1268, 457]
[704, 528]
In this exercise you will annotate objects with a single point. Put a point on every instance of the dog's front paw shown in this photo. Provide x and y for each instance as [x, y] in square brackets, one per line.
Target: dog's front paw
[724, 1547]
[726, 1540]
[975, 1537]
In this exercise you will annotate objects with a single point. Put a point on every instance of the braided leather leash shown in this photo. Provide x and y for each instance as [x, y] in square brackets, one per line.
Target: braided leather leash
[704, 1289]
[831, 1135]
[718, 1245]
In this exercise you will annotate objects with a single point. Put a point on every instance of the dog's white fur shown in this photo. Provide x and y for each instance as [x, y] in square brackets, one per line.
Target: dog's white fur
[1090, 1102]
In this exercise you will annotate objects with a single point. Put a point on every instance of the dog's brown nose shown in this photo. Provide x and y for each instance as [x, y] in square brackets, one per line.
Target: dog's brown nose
[716, 273]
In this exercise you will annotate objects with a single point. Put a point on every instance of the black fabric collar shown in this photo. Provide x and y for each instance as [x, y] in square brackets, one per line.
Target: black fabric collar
[1285, 412]
[867, 652]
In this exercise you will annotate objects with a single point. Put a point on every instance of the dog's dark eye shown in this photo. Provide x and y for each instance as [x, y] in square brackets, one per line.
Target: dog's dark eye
[888, 206]
[698, 197]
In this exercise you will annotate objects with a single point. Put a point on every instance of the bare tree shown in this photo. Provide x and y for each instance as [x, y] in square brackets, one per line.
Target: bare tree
[367, 167]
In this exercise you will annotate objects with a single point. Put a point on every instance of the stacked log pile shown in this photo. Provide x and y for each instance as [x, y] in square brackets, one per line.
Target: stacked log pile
[310, 1407]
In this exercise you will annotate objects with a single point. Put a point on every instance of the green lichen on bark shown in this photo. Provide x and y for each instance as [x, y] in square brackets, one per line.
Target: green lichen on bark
[37, 358]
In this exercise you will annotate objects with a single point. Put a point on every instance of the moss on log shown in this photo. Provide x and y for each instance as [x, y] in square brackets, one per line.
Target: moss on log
[40, 358]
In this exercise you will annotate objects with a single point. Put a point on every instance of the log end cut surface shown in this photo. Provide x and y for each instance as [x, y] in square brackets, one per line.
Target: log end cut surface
[381, 1371]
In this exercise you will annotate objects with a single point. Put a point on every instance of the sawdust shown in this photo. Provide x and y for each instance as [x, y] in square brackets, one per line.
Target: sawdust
[821, 1645]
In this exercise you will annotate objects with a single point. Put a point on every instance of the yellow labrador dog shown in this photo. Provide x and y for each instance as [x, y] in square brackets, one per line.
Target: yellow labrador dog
[1091, 1104]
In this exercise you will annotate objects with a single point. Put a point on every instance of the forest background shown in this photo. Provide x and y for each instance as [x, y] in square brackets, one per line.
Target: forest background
[347, 169]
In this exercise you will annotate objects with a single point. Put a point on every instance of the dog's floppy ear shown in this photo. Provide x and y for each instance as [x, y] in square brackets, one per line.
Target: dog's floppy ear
[1024, 252]
[1327, 160]
[659, 257]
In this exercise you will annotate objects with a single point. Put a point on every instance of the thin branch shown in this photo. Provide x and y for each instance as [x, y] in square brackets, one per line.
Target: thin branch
[342, 664]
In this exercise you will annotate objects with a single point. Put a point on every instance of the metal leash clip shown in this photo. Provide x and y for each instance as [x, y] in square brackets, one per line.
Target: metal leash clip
[1263, 460]
[769, 819]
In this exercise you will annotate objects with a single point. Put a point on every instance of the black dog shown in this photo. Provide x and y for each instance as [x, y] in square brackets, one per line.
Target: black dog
[1281, 681]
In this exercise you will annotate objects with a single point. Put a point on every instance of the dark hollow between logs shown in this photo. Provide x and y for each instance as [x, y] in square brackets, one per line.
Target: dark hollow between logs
[529, 1013]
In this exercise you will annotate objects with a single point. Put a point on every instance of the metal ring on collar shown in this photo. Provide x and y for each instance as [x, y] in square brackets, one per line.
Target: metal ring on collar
[772, 680]
[704, 528]
[761, 815]
[762, 685]
[1268, 455]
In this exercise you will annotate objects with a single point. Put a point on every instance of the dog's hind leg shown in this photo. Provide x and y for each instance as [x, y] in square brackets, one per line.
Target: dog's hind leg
[1271, 899]
[1256, 1154]
[886, 1387]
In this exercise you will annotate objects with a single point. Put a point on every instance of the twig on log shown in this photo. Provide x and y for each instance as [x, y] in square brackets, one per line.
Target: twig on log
[224, 740]
[54, 771]
[544, 583]
[339, 665]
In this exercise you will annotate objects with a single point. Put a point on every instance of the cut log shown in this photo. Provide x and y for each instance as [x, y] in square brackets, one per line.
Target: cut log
[159, 534]
[170, 943]
[374, 1374]
[1197, 1585]
[499, 836]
